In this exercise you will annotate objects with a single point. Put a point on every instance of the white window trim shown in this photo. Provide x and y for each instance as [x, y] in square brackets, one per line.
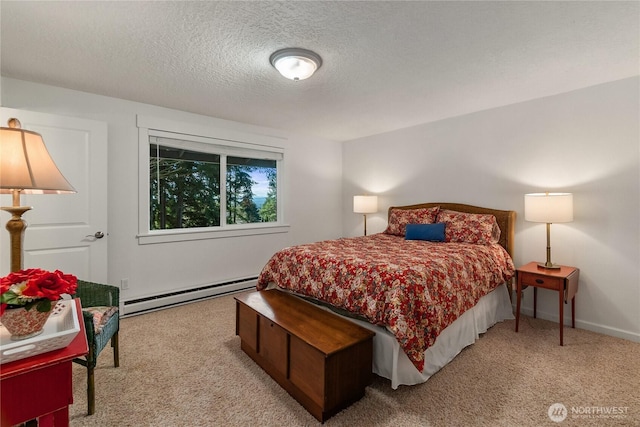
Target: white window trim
[218, 139]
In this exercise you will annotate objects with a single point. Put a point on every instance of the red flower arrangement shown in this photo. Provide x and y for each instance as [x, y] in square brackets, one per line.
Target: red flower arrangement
[35, 287]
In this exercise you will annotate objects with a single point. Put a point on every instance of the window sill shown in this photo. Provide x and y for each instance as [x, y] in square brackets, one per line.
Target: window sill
[168, 236]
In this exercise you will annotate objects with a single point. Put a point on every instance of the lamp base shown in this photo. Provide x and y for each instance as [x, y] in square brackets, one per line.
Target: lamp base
[16, 226]
[548, 266]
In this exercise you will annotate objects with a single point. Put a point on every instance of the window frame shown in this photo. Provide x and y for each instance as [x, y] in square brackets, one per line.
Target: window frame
[213, 140]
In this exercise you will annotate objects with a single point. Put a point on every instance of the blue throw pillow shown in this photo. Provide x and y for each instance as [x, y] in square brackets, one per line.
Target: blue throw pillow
[430, 232]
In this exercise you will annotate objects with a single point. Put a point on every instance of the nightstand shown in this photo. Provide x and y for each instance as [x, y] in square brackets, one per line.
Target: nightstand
[563, 279]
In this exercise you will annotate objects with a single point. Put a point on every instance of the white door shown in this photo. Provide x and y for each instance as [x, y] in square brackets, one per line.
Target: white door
[61, 227]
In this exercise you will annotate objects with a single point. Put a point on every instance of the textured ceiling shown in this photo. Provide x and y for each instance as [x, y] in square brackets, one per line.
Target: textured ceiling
[386, 65]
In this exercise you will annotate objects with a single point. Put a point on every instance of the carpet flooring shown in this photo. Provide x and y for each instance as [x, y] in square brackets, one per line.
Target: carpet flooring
[183, 367]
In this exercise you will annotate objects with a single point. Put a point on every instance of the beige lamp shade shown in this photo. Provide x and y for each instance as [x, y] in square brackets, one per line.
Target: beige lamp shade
[365, 204]
[26, 166]
[548, 207]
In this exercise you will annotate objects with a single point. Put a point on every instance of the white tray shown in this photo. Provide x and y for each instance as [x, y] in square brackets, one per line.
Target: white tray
[61, 328]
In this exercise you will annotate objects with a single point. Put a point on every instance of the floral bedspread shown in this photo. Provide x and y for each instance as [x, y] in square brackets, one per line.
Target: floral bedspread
[415, 288]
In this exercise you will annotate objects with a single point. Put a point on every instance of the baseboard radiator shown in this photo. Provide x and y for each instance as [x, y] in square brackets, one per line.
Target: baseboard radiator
[172, 299]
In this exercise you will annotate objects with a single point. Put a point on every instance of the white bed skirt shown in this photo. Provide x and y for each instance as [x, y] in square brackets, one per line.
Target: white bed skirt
[391, 362]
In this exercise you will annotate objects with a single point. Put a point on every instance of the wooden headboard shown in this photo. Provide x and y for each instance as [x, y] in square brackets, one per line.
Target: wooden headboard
[506, 219]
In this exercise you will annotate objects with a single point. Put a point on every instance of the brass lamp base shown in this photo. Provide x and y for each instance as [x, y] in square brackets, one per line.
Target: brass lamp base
[16, 226]
[365, 224]
[549, 266]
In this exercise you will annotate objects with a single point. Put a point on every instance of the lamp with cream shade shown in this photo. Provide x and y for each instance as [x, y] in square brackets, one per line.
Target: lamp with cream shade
[548, 208]
[25, 167]
[365, 205]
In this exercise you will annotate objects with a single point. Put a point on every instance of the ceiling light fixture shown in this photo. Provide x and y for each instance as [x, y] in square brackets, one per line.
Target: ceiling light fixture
[295, 63]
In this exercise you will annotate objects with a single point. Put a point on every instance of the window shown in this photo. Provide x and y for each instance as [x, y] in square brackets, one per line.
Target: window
[252, 190]
[185, 188]
[198, 184]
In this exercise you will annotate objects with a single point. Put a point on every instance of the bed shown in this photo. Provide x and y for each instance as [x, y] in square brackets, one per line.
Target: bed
[428, 286]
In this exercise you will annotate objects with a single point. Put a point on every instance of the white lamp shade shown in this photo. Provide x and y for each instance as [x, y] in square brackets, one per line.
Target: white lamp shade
[365, 204]
[25, 165]
[548, 207]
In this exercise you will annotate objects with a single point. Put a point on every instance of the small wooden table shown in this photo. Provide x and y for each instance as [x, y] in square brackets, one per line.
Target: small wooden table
[563, 279]
[40, 387]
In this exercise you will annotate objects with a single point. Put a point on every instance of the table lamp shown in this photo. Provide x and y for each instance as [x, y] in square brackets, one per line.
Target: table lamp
[548, 208]
[25, 167]
[365, 205]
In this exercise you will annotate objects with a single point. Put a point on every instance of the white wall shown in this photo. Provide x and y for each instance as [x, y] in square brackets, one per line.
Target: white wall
[586, 142]
[313, 186]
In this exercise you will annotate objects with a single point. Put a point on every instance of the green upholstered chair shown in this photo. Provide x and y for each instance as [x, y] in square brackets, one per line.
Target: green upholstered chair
[102, 323]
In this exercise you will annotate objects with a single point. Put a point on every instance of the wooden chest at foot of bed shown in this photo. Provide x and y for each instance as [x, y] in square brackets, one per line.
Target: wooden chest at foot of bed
[320, 359]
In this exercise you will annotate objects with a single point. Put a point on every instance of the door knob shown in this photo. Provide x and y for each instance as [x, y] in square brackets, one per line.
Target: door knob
[97, 235]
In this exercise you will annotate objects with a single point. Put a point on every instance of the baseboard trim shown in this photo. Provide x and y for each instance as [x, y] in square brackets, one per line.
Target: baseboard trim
[186, 296]
[582, 324]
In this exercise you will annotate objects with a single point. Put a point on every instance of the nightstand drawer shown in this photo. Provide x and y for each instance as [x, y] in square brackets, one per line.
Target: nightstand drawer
[542, 281]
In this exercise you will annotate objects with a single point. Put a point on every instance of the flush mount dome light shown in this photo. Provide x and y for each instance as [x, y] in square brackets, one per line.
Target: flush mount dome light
[296, 64]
